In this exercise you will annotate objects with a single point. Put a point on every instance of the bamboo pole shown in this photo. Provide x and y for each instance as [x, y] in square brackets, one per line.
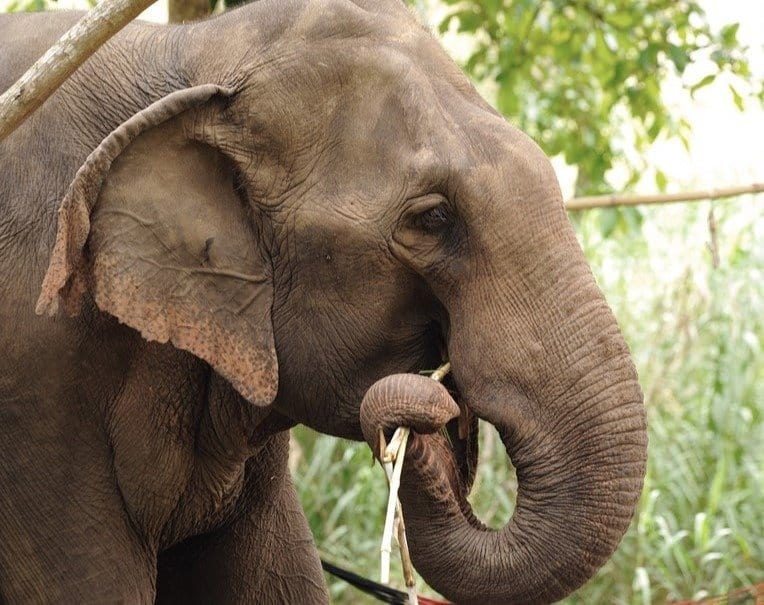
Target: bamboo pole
[63, 58]
[605, 201]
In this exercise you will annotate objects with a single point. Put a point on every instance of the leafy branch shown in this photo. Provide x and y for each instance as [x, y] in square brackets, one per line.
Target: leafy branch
[584, 77]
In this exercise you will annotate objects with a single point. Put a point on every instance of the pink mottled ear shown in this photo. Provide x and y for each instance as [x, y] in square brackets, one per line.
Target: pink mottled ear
[154, 228]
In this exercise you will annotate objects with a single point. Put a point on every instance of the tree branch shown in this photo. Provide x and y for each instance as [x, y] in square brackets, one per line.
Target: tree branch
[605, 201]
[55, 66]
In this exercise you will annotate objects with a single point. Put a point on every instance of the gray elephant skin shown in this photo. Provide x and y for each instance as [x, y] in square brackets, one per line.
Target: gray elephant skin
[213, 232]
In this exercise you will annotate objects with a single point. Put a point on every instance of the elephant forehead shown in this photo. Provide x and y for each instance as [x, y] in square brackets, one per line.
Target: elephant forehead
[337, 57]
[393, 123]
[354, 20]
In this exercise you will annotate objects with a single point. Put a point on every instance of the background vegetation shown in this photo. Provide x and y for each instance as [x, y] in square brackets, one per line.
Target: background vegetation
[588, 79]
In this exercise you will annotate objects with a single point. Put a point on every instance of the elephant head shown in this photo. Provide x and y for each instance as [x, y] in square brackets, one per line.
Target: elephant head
[327, 201]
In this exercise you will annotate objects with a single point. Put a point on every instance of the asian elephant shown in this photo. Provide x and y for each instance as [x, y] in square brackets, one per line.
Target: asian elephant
[230, 227]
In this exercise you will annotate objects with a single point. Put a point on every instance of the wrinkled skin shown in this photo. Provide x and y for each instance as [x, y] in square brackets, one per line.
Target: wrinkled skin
[225, 244]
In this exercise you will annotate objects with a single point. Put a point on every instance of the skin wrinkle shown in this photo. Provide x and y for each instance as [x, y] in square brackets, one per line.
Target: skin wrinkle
[207, 271]
[141, 221]
[581, 390]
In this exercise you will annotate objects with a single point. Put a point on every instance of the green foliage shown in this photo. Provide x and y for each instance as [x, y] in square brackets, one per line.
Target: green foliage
[28, 6]
[584, 77]
[20, 6]
[696, 333]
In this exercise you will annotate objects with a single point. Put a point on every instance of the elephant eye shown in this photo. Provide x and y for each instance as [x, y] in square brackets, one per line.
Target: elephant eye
[434, 220]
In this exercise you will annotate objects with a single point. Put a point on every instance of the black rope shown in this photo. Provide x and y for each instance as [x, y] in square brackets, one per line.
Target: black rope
[375, 589]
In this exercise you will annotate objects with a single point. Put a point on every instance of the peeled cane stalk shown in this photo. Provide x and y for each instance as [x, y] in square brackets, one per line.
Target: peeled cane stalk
[392, 455]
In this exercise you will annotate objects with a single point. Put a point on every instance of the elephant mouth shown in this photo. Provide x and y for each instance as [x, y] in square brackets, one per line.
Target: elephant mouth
[462, 434]
[462, 431]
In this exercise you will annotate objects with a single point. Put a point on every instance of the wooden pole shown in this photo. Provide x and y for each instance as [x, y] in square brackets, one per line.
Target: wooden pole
[605, 201]
[61, 60]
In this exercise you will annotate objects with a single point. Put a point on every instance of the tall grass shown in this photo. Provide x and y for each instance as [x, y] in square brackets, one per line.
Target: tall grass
[696, 332]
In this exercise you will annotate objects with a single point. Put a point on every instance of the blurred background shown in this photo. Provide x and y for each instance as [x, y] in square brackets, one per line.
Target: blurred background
[627, 96]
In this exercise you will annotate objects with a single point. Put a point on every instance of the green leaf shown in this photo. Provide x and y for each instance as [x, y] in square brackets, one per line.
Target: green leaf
[608, 221]
[633, 218]
[444, 25]
[469, 20]
[728, 34]
[655, 127]
[648, 57]
[476, 59]
[721, 57]
[660, 179]
[507, 100]
[736, 98]
[703, 82]
[679, 56]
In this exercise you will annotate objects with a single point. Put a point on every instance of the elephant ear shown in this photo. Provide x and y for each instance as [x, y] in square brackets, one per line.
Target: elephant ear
[154, 227]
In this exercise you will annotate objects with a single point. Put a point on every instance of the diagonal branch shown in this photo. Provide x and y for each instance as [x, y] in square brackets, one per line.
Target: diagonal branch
[55, 66]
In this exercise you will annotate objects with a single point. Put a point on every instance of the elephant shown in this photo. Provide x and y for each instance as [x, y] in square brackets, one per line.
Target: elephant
[216, 231]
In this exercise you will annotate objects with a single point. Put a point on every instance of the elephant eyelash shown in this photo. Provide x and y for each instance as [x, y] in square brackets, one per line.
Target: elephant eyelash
[435, 220]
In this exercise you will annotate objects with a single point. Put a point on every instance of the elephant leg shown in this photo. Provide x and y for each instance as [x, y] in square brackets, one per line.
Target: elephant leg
[65, 536]
[266, 555]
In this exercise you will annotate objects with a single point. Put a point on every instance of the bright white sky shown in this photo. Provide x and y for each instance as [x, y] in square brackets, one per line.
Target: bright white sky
[726, 146]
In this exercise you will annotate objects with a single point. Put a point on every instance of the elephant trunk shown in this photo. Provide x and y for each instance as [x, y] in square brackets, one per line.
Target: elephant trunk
[578, 444]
